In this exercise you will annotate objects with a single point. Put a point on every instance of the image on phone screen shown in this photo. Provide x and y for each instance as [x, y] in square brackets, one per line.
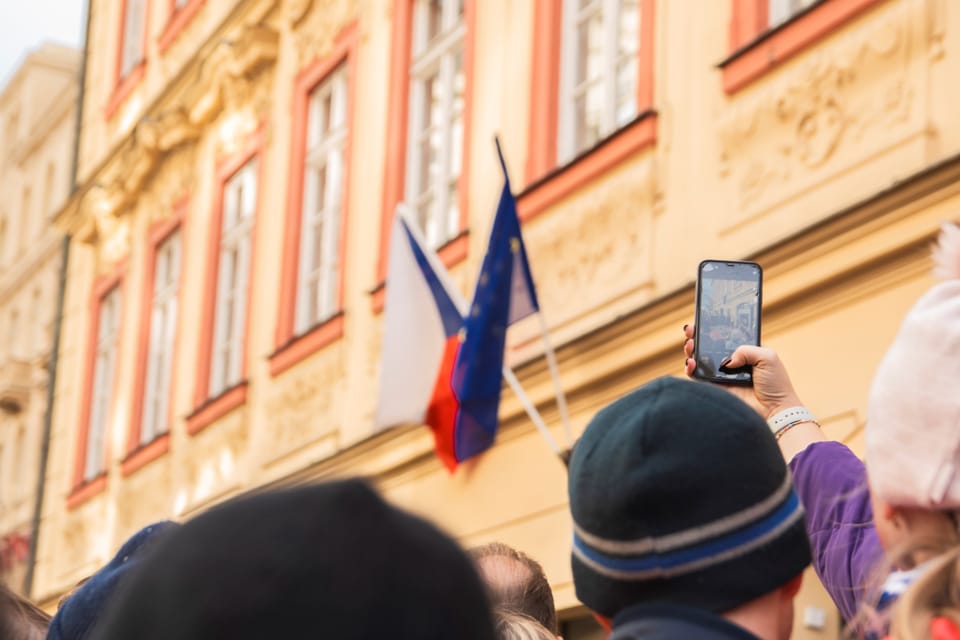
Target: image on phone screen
[728, 315]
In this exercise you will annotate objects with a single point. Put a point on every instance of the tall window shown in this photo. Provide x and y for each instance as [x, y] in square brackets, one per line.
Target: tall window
[131, 44]
[163, 328]
[233, 277]
[108, 329]
[782, 10]
[599, 72]
[323, 187]
[435, 137]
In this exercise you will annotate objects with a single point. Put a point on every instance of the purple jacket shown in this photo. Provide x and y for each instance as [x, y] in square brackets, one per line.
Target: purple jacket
[832, 484]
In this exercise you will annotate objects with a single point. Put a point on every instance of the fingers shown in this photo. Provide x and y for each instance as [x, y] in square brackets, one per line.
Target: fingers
[688, 347]
[688, 330]
[690, 366]
[750, 354]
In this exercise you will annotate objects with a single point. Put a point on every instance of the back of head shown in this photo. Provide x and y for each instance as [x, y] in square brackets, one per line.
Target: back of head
[512, 625]
[330, 560]
[913, 414]
[934, 594]
[20, 619]
[516, 582]
[85, 606]
[679, 495]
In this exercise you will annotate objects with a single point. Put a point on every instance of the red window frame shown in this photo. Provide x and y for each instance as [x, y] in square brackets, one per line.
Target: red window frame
[547, 182]
[289, 347]
[140, 455]
[757, 49]
[82, 489]
[125, 84]
[395, 176]
[208, 410]
[177, 22]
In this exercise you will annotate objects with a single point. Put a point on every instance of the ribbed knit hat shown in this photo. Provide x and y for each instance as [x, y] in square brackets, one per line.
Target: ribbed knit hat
[913, 414]
[680, 495]
[325, 561]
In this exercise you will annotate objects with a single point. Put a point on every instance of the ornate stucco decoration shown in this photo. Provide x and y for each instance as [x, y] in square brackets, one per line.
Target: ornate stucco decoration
[317, 24]
[833, 108]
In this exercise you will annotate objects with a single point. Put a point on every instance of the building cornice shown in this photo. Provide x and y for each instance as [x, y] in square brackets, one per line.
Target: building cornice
[216, 79]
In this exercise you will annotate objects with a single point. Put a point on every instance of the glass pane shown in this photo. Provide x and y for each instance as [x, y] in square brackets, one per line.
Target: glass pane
[434, 18]
[588, 109]
[626, 91]
[628, 28]
[590, 48]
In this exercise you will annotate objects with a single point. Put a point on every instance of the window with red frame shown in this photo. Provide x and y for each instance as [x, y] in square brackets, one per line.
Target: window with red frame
[600, 40]
[318, 280]
[163, 331]
[233, 278]
[132, 35]
[104, 372]
[435, 134]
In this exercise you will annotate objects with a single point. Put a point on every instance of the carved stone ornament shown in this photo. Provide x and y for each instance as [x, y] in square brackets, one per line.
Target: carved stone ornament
[317, 30]
[294, 10]
[856, 94]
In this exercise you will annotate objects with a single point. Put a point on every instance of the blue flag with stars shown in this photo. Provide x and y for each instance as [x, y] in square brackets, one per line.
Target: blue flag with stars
[504, 294]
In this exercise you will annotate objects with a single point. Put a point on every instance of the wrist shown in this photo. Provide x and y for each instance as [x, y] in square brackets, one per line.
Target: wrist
[786, 419]
[782, 405]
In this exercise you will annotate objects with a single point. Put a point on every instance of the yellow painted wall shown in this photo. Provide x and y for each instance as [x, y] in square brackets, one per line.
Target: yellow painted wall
[814, 169]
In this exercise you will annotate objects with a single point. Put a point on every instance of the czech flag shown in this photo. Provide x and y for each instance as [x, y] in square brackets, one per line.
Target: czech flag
[420, 319]
[466, 399]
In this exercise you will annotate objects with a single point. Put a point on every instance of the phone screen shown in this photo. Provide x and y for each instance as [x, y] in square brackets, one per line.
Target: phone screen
[728, 315]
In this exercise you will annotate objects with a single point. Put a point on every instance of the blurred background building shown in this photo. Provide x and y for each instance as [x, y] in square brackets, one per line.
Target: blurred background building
[239, 162]
[37, 127]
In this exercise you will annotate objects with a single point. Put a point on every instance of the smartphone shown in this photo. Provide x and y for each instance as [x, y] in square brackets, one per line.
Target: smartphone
[729, 294]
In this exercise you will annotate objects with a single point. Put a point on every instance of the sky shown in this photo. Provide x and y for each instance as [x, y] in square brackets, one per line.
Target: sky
[25, 24]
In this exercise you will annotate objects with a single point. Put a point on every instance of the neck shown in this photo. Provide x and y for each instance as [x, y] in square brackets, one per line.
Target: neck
[762, 617]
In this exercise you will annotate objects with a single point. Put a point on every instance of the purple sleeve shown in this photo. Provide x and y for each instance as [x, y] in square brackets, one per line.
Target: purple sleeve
[832, 484]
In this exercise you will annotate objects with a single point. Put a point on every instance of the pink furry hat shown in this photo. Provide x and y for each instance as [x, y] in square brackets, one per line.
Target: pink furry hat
[913, 415]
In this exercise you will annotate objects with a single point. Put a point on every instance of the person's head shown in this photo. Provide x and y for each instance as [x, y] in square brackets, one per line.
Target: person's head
[512, 625]
[20, 619]
[913, 418]
[331, 560]
[679, 495]
[934, 594]
[80, 610]
[516, 582]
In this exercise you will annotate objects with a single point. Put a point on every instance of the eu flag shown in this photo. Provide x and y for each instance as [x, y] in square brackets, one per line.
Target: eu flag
[504, 294]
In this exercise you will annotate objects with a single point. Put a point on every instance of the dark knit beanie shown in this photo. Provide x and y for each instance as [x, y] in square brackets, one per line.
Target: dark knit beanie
[324, 561]
[84, 607]
[680, 495]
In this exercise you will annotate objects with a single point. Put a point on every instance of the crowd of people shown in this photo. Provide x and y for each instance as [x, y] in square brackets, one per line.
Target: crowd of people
[696, 509]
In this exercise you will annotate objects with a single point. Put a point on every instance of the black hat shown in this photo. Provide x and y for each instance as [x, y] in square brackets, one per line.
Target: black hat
[680, 495]
[325, 561]
[80, 612]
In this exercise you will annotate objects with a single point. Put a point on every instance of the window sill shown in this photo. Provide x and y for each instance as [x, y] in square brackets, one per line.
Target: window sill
[565, 180]
[177, 22]
[124, 88]
[145, 454]
[451, 254]
[299, 347]
[215, 408]
[775, 46]
[87, 490]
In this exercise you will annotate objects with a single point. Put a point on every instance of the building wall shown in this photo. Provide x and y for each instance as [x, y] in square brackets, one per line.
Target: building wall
[824, 148]
[37, 112]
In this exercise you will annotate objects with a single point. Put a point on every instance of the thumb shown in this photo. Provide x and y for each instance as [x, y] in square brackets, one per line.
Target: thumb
[747, 354]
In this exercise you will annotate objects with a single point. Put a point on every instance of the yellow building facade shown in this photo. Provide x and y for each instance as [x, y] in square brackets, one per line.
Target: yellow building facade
[37, 125]
[240, 160]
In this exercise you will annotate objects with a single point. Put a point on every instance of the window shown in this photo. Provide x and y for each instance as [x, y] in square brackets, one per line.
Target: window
[132, 36]
[163, 328]
[233, 276]
[322, 211]
[435, 136]
[599, 72]
[101, 397]
[779, 11]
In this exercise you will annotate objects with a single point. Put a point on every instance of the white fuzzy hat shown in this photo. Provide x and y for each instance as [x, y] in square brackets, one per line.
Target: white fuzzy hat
[913, 415]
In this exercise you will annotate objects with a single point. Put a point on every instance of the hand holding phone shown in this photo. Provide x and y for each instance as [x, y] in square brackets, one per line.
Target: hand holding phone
[729, 296]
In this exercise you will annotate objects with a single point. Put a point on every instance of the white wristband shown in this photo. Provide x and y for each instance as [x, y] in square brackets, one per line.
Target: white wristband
[789, 417]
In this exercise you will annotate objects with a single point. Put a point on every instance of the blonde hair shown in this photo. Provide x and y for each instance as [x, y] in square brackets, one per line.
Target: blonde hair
[935, 594]
[511, 625]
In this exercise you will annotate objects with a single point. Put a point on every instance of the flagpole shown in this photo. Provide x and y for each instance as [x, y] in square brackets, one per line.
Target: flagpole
[555, 374]
[532, 412]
